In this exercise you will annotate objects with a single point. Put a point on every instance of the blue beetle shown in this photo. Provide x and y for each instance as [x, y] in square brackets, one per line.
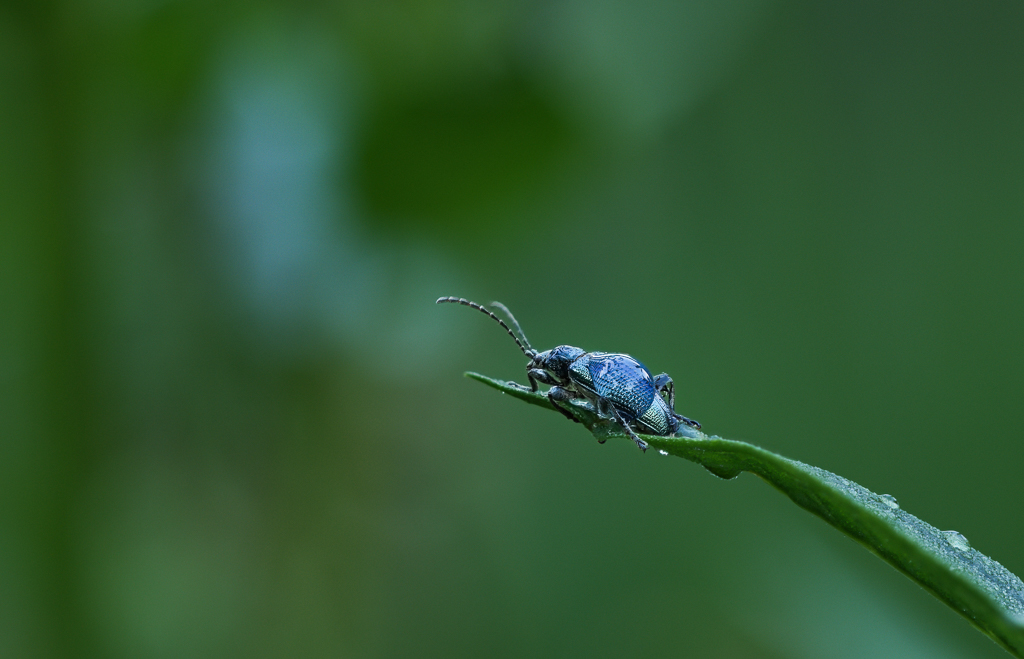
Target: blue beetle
[618, 386]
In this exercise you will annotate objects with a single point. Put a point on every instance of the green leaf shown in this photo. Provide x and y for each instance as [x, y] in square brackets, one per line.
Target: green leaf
[975, 586]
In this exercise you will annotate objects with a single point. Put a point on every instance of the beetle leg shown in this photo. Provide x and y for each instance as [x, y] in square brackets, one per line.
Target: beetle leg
[663, 383]
[689, 422]
[557, 396]
[540, 375]
[641, 444]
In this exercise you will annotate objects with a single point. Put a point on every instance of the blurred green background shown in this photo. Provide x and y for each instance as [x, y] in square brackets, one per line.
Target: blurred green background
[233, 422]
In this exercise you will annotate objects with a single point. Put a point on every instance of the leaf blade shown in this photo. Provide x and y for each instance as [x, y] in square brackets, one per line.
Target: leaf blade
[974, 585]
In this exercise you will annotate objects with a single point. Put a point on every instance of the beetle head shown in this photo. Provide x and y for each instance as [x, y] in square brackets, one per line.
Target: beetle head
[556, 361]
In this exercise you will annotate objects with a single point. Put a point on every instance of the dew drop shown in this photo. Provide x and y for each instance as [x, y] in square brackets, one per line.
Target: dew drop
[957, 539]
[662, 452]
[890, 501]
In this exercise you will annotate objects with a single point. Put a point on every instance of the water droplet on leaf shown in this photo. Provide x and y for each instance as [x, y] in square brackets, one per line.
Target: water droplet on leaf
[890, 501]
[957, 540]
[662, 452]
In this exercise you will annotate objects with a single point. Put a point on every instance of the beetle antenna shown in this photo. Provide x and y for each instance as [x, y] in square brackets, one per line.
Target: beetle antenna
[529, 352]
[515, 323]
